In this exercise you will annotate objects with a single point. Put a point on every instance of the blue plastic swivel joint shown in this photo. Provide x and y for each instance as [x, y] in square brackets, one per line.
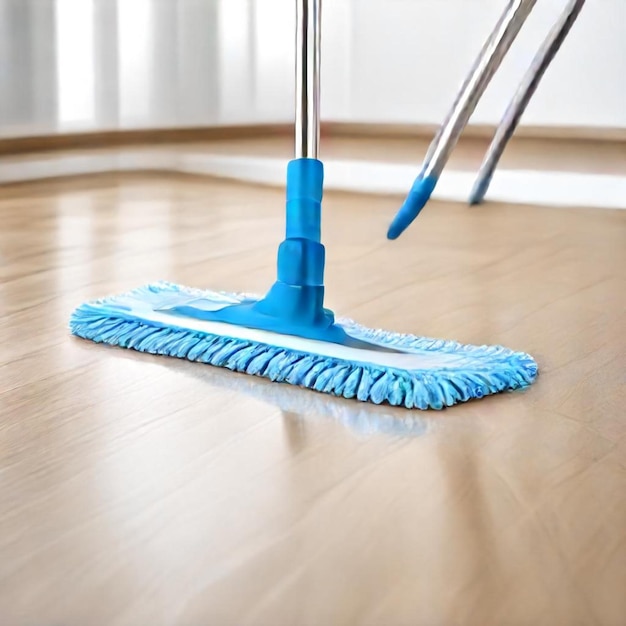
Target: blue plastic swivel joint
[297, 296]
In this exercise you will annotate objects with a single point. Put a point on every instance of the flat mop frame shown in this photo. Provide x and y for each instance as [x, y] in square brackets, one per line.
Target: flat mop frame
[484, 68]
[288, 335]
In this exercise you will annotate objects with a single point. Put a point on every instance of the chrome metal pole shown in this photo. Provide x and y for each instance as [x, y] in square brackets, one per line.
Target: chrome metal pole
[522, 97]
[308, 48]
[483, 70]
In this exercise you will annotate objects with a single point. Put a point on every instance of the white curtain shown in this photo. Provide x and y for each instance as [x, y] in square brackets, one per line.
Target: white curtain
[77, 65]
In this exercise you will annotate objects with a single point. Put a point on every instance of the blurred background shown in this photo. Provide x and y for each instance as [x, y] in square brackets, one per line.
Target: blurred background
[89, 65]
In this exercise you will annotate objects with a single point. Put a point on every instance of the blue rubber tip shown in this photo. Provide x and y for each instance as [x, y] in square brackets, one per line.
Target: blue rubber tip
[415, 201]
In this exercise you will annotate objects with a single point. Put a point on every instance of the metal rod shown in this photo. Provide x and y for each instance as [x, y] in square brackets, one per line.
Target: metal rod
[308, 45]
[483, 70]
[522, 97]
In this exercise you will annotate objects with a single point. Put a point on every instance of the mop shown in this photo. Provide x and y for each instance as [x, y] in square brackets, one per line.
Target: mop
[288, 335]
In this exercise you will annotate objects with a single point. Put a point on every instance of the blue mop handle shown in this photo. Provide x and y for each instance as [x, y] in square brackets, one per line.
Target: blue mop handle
[296, 299]
[301, 256]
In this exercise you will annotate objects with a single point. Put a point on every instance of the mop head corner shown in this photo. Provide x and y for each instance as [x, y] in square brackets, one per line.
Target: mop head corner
[410, 371]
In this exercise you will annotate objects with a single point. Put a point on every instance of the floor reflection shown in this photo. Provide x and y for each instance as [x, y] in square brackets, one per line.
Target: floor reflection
[299, 405]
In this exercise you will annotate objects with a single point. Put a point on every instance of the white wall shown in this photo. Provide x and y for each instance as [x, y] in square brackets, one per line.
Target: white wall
[408, 57]
[71, 65]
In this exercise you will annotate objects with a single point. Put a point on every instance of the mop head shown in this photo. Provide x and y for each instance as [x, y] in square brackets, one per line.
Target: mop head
[375, 366]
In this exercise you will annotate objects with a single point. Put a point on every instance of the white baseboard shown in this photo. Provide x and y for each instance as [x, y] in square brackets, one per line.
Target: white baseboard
[524, 187]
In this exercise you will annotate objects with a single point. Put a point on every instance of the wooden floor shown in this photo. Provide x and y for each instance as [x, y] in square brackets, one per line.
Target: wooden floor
[137, 490]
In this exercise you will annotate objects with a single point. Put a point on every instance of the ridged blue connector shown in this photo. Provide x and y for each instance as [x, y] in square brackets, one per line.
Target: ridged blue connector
[297, 296]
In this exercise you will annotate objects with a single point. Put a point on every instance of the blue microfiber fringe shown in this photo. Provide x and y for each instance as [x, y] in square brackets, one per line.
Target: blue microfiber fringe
[484, 370]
